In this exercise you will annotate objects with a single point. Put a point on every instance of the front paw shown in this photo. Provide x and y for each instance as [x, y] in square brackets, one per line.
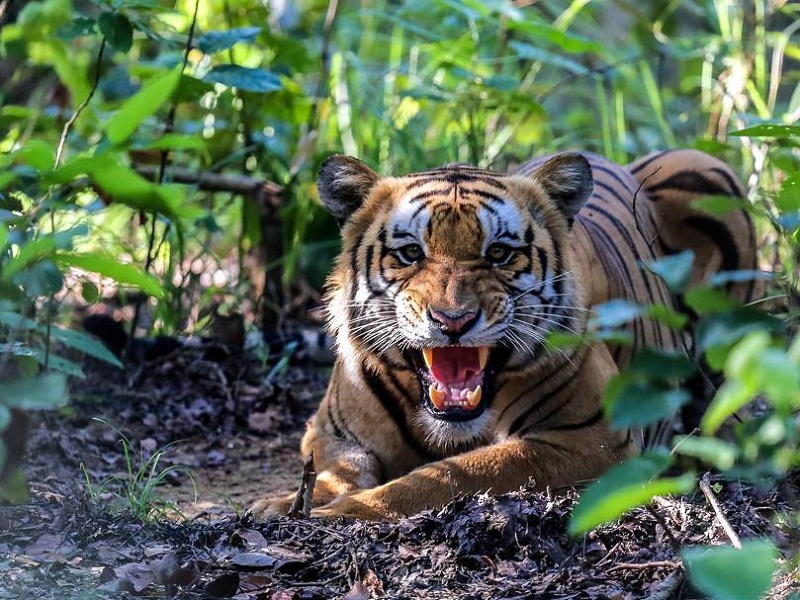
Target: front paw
[362, 505]
[277, 506]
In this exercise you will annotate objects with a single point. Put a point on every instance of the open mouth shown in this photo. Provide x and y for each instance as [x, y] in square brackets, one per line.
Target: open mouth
[454, 379]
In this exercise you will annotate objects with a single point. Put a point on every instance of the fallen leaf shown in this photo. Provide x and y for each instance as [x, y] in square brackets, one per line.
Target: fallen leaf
[358, 592]
[224, 586]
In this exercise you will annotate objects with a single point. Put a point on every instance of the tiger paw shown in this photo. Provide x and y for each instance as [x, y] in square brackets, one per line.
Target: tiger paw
[357, 505]
[277, 506]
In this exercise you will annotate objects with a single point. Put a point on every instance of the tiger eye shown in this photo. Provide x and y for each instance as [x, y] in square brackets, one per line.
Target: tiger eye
[410, 253]
[498, 253]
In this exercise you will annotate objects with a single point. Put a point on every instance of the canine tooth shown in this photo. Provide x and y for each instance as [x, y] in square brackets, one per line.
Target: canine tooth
[474, 397]
[427, 355]
[437, 397]
[483, 356]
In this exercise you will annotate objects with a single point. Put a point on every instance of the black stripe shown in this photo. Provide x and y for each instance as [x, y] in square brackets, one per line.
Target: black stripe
[614, 174]
[688, 181]
[521, 418]
[721, 236]
[639, 166]
[731, 180]
[392, 406]
[593, 420]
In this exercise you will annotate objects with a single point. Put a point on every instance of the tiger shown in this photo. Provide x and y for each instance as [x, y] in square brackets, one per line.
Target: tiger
[449, 283]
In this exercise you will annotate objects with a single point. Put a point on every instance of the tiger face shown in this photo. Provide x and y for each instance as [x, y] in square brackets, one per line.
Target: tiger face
[457, 274]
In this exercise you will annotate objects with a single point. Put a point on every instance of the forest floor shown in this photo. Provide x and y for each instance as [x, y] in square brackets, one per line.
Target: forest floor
[216, 432]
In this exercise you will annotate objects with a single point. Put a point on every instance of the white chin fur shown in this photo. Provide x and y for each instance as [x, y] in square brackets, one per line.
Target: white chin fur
[445, 436]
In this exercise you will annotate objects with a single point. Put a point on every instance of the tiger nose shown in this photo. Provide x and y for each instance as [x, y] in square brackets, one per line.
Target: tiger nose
[453, 323]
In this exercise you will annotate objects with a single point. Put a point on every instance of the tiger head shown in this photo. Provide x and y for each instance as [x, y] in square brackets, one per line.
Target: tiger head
[459, 271]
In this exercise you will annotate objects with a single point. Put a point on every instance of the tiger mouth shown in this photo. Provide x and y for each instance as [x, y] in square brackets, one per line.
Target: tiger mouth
[454, 381]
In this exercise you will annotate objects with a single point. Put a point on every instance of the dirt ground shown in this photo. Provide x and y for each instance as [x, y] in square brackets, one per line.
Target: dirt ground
[217, 431]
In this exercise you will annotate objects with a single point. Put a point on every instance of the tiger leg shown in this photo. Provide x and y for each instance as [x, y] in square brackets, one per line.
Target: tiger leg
[341, 466]
[548, 460]
[548, 457]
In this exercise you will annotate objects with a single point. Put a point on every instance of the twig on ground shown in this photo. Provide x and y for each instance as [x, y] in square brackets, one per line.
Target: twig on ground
[705, 487]
[676, 545]
[303, 500]
[655, 564]
[668, 586]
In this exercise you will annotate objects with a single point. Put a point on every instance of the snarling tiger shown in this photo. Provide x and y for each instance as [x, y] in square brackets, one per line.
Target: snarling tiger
[447, 286]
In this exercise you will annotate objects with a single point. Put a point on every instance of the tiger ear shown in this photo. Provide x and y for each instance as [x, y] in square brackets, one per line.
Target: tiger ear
[567, 179]
[344, 183]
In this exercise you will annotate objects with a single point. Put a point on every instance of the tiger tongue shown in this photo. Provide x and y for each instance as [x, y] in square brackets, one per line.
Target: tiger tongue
[455, 364]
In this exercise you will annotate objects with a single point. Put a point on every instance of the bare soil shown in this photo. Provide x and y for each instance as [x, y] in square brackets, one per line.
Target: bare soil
[227, 429]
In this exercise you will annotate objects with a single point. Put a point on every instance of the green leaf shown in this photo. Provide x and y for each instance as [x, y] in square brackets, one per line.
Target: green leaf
[629, 402]
[5, 419]
[177, 141]
[788, 199]
[738, 276]
[14, 490]
[40, 279]
[724, 329]
[720, 205]
[109, 266]
[15, 321]
[191, 89]
[41, 248]
[141, 105]
[569, 42]
[727, 573]
[704, 299]
[624, 487]
[713, 451]
[60, 364]
[732, 396]
[675, 270]
[535, 53]
[117, 30]
[614, 313]
[244, 78]
[38, 154]
[661, 364]
[42, 393]
[774, 130]
[89, 292]
[214, 41]
[77, 27]
[85, 343]
[664, 314]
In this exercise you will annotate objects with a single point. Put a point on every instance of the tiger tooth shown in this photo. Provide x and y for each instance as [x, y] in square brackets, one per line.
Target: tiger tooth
[437, 397]
[474, 397]
[427, 355]
[483, 356]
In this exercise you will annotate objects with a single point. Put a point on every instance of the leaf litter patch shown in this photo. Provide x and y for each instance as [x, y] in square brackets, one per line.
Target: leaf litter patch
[65, 543]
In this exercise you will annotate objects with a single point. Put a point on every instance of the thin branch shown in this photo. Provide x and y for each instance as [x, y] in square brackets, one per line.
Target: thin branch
[169, 125]
[655, 564]
[636, 216]
[705, 487]
[68, 125]
[256, 189]
[303, 500]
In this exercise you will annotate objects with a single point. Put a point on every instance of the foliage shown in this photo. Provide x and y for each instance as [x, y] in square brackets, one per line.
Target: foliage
[108, 101]
[137, 489]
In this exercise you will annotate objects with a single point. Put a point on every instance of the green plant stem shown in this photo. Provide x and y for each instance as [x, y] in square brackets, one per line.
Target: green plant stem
[169, 126]
[71, 121]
